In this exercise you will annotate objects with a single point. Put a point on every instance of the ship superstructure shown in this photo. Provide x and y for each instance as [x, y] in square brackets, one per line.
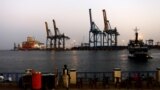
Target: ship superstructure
[31, 44]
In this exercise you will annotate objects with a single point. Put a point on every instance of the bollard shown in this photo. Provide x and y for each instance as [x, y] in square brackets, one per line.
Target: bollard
[73, 76]
[36, 80]
[117, 75]
[158, 74]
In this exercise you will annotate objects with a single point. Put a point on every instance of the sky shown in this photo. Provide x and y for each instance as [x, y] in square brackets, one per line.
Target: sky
[22, 18]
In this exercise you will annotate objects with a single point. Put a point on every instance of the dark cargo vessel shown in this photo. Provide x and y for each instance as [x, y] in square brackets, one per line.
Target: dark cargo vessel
[137, 49]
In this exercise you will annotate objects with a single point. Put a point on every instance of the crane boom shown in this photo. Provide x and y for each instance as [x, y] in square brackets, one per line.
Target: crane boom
[55, 27]
[47, 30]
[106, 22]
[91, 22]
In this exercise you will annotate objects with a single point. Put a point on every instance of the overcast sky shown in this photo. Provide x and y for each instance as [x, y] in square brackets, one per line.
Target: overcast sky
[22, 18]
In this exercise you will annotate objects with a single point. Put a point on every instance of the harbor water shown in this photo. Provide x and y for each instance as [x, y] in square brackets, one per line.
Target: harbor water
[82, 61]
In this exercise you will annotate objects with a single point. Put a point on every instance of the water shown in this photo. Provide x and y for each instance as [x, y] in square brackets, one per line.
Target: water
[82, 61]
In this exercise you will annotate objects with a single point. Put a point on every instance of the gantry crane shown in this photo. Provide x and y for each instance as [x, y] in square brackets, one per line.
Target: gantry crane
[49, 38]
[55, 36]
[109, 34]
[95, 34]
[59, 39]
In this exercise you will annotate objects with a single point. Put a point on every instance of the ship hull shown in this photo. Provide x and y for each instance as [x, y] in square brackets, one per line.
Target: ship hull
[139, 57]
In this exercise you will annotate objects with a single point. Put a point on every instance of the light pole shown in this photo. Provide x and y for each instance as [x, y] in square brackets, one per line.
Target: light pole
[123, 41]
[74, 42]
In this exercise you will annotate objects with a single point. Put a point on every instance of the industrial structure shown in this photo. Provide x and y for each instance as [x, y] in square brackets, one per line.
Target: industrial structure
[102, 39]
[98, 39]
[158, 43]
[56, 41]
[109, 34]
[150, 42]
[95, 34]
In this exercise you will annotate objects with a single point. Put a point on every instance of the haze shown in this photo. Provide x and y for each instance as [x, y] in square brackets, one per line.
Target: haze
[22, 18]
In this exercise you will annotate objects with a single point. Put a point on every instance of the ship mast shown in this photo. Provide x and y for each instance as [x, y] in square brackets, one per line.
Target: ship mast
[136, 34]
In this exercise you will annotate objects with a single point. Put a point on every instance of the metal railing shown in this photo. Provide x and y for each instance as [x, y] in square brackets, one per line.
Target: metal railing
[13, 76]
[125, 74]
[86, 75]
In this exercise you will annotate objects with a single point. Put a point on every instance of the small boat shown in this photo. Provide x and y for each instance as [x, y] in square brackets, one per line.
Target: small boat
[137, 49]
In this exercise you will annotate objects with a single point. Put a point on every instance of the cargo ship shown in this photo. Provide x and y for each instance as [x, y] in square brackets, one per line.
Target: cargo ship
[137, 49]
[31, 44]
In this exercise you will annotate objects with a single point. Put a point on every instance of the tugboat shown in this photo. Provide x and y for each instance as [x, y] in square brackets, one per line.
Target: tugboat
[137, 49]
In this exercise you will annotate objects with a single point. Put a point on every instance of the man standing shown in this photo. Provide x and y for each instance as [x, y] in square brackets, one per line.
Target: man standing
[66, 77]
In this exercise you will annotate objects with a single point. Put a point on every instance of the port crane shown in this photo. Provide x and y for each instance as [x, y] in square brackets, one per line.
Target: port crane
[58, 39]
[109, 34]
[95, 34]
[49, 38]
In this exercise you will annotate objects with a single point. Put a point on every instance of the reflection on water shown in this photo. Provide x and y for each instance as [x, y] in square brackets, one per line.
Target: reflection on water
[93, 61]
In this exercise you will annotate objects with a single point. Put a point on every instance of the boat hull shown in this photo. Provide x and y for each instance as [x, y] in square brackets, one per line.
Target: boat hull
[139, 57]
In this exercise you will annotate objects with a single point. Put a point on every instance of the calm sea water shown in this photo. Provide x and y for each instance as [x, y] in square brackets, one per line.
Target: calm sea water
[82, 61]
